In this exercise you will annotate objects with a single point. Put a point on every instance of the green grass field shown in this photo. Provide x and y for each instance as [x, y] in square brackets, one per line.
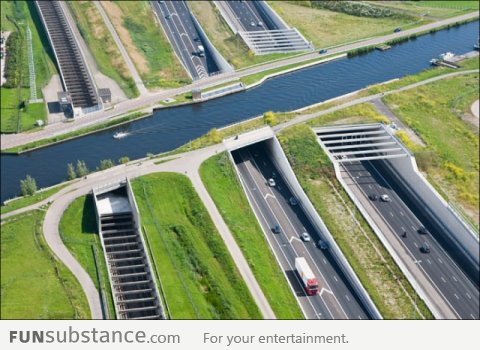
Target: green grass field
[327, 28]
[381, 277]
[435, 9]
[35, 285]
[24, 14]
[221, 181]
[146, 44]
[451, 158]
[198, 275]
[102, 46]
[78, 229]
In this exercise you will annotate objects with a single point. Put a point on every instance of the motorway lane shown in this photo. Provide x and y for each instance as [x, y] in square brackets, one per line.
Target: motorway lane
[182, 34]
[246, 14]
[458, 291]
[336, 300]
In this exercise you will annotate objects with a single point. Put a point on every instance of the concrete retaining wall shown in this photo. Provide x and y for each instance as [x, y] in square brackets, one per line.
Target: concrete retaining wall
[280, 160]
[219, 60]
[446, 225]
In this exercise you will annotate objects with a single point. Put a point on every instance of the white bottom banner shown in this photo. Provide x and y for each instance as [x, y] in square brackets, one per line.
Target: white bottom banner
[264, 335]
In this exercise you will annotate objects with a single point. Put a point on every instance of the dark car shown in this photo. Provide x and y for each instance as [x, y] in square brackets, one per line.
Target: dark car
[422, 230]
[322, 244]
[425, 248]
[373, 197]
[276, 229]
[293, 201]
[397, 30]
[322, 51]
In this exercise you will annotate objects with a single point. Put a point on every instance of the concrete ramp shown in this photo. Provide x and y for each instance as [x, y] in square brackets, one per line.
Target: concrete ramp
[134, 288]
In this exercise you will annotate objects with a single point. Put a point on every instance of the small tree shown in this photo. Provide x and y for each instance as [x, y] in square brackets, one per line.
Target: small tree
[71, 174]
[82, 169]
[123, 160]
[28, 186]
[270, 118]
[105, 164]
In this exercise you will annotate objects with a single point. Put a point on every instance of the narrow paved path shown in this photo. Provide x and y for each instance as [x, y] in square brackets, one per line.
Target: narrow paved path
[475, 108]
[14, 140]
[131, 67]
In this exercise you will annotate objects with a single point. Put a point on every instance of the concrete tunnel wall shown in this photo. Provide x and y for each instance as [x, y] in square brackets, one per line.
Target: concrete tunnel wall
[221, 62]
[274, 17]
[447, 225]
[281, 162]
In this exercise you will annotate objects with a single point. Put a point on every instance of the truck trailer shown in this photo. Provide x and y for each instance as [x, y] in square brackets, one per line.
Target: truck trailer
[306, 275]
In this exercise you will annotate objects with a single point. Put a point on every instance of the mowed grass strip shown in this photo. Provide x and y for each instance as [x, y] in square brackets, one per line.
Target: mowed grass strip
[35, 285]
[199, 277]
[78, 230]
[146, 44]
[436, 112]
[222, 183]
[102, 46]
[379, 274]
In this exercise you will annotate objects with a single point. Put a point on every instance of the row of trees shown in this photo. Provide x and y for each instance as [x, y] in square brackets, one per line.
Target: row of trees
[28, 186]
[13, 60]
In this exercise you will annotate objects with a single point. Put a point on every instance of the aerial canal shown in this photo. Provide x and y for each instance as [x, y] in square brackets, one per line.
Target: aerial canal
[170, 128]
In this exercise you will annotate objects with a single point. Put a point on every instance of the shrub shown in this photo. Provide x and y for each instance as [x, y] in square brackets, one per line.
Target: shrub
[28, 186]
[270, 118]
[105, 164]
[123, 160]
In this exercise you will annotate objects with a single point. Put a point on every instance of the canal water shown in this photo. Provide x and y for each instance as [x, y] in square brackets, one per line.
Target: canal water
[170, 128]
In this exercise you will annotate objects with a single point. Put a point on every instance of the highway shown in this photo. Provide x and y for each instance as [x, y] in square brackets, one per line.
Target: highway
[177, 22]
[336, 299]
[248, 17]
[458, 291]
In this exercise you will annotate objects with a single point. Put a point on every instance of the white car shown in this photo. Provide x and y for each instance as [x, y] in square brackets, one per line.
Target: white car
[305, 236]
[271, 182]
[385, 198]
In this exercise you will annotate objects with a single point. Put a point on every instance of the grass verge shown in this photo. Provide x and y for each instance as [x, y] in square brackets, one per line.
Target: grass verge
[451, 157]
[221, 181]
[102, 46]
[35, 285]
[146, 44]
[387, 286]
[78, 230]
[199, 277]
[22, 202]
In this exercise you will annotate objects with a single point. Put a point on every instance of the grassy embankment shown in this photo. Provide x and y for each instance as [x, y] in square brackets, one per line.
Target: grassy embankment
[102, 46]
[337, 28]
[22, 202]
[35, 285]
[17, 114]
[231, 46]
[78, 230]
[146, 44]
[436, 9]
[436, 113]
[74, 134]
[221, 181]
[199, 277]
[387, 286]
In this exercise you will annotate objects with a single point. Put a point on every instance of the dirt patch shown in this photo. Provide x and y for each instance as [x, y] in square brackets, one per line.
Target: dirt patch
[116, 16]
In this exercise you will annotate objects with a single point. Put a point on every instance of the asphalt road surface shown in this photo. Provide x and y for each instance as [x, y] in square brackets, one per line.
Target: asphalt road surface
[458, 291]
[337, 299]
[249, 17]
[177, 22]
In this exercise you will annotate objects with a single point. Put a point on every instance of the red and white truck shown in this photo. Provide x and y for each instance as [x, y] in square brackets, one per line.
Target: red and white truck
[308, 278]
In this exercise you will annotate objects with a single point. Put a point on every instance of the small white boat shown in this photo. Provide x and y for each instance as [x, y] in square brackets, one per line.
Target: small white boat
[120, 135]
[447, 56]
